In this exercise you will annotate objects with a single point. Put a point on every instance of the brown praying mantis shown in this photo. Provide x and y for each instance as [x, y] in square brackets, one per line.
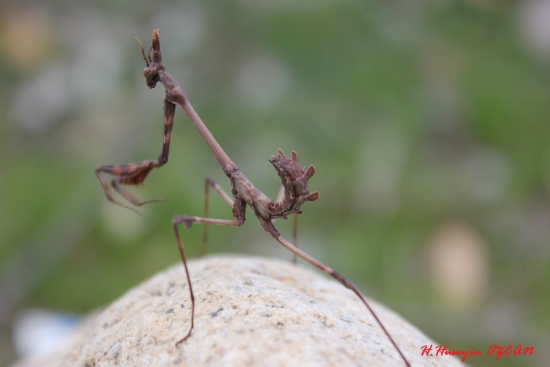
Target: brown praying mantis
[295, 190]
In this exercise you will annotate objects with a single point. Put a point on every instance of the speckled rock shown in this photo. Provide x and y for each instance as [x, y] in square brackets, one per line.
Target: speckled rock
[249, 312]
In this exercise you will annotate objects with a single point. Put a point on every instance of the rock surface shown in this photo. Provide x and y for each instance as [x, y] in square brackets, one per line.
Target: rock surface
[249, 312]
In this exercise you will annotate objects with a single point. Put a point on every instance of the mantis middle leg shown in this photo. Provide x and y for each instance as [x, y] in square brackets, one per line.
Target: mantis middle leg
[239, 213]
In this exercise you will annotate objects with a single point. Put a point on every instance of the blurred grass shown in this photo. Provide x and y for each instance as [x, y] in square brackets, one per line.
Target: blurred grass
[418, 118]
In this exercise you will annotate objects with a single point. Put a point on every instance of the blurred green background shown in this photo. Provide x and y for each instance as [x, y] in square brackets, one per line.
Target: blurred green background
[428, 123]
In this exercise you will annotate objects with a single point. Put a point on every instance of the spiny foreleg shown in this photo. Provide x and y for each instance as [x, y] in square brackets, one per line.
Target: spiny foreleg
[135, 173]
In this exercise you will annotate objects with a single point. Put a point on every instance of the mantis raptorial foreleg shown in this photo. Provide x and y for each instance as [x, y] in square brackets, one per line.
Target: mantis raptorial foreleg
[135, 173]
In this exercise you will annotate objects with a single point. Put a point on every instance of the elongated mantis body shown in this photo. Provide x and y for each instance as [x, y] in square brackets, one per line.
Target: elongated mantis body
[294, 181]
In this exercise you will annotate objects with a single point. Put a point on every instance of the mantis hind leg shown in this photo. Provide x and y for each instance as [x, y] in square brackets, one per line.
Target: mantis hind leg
[346, 283]
[294, 225]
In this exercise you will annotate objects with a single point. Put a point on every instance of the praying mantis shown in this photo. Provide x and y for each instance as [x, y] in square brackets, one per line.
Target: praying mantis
[294, 193]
